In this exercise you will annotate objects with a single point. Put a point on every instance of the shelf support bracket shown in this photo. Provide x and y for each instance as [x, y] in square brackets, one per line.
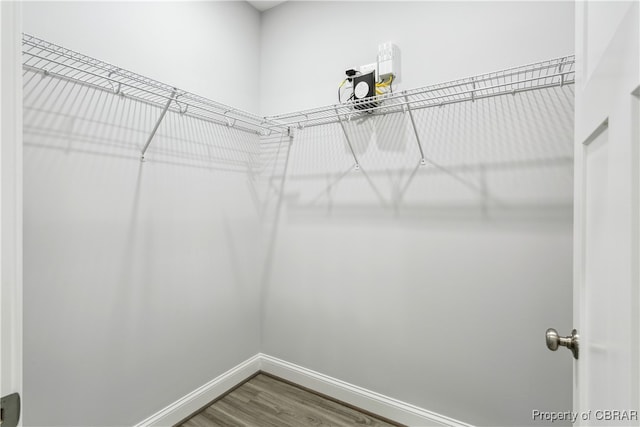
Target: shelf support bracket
[560, 68]
[346, 135]
[155, 128]
[423, 161]
[473, 91]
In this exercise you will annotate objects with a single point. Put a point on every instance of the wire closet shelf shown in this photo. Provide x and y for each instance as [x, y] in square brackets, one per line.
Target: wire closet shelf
[540, 75]
[48, 59]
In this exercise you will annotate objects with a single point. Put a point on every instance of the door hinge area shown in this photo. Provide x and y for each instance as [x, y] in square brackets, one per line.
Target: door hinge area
[10, 410]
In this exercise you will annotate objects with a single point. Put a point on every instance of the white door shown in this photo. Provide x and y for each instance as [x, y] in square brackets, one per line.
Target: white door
[10, 204]
[607, 218]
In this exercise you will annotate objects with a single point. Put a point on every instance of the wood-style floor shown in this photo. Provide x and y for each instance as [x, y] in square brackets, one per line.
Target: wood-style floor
[266, 401]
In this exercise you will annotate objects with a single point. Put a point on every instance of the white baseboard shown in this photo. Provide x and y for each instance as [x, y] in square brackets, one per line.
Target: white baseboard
[368, 400]
[187, 405]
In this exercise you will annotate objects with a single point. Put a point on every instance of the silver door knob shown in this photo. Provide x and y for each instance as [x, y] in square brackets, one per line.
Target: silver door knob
[571, 342]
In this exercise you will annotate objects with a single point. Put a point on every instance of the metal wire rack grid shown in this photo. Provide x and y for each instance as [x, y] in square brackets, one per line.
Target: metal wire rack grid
[50, 60]
[539, 75]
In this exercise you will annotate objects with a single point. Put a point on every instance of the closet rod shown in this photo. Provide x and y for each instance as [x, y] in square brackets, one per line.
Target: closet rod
[56, 61]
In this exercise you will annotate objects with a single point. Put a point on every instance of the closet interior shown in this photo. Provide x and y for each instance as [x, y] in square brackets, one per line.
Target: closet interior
[172, 239]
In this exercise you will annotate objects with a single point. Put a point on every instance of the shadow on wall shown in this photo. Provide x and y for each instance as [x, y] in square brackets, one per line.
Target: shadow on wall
[123, 256]
[374, 275]
[275, 153]
[63, 115]
[507, 158]
[75, 119]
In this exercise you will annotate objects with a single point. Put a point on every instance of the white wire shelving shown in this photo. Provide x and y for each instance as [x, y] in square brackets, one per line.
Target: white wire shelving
[539, 75]
[556, 72]
[48, 59]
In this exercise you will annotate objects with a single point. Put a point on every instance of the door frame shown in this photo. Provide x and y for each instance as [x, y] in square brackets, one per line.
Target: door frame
[11, 197]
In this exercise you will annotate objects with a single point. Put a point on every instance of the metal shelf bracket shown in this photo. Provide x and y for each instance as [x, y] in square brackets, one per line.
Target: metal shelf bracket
[182, 110]
[423, 161]
[473, 92]
[116, 89]
[155, 128]
[346, 135]
[560, 68]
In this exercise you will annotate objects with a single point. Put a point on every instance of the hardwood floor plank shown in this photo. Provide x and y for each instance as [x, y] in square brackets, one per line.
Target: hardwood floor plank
[264, 401]
[312, 407]
[251, 414]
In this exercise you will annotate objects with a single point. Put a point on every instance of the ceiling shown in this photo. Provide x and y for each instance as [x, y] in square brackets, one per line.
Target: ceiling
[263, 5]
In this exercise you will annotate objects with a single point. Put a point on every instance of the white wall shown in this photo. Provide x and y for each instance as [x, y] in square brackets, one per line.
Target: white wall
[438, 295]
[209, 48]
[307, 45]
[139, 277]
